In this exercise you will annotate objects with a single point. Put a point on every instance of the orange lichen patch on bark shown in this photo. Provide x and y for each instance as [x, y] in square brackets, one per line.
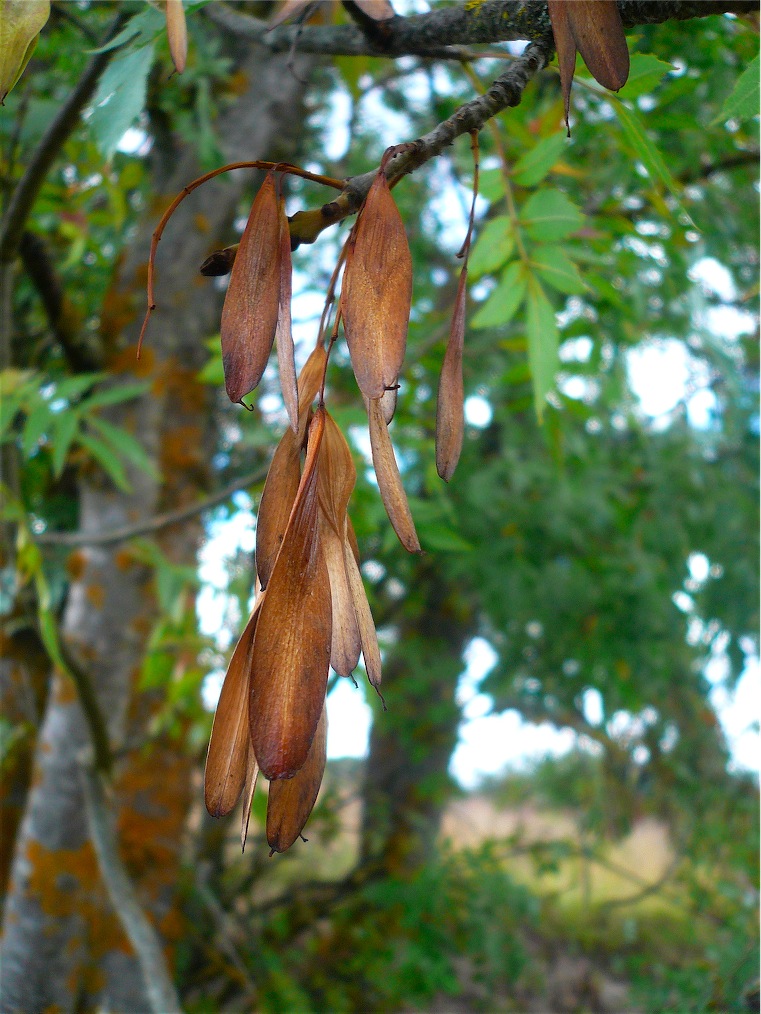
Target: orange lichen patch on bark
[126, 361]
[201, 222]
[75, 564]
[141, 625]
[119, 310]
[64, 691]
[96, 595]
[53, 1008]
[66, 882]
[181, 449]
[178, 384]
[124, 559]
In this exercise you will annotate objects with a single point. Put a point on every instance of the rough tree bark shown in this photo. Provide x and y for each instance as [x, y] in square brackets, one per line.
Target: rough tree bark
[63, 945]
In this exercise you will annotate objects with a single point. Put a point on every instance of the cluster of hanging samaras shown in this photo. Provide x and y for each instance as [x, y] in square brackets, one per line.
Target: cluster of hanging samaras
[311, 611]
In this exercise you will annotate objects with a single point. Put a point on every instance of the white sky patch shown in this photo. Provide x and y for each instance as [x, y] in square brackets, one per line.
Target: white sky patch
[349, 720]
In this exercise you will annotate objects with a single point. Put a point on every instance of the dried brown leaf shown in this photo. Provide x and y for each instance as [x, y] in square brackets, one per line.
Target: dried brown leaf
[388, 404]
[351, 535]
[276, 504]
[599, 35]
[291, 652]
[310, 381]
[367, 634]
[283, 476]
[345, 643]
[389, 480]
[337, 475]
[250, 312]
[177, 33]
[252, 773]
[290, 9]
[450, 418]
[228, 747]
[283, 332]
[291, 799]
[565, 46]
[377, 291]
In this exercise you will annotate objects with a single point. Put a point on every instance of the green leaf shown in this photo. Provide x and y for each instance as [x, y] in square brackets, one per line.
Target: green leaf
[742, 103]
[114, 395]
[64, 426]
[533, 166]
[125, 444]
[549, 215]
[645, 73]
[439, 538]
[493, 247]
[213, 372]
[37, 422]
[120, 98]
[106, 459]
[501, 305]
[73, 387]
[491, 185]
[649, 155]
[557, 269]
[143, 29]
[543, 343]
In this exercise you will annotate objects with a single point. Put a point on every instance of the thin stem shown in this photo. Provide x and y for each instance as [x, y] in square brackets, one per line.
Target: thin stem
[283, 167]
[154, 524]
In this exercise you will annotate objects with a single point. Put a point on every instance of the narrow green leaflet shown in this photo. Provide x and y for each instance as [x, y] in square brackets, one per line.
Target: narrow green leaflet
[649, 155]
[64, 428]
[114, 395]
[533, 166]
[743, 101]
[120, 98]
[501, 305]
[543, 343]
[491, 185]
[493, 247]
[549, 215]
[36, 425]
[143, 28]
[554, 265]
[72, 387]
[645, 73]
[106, 459]
[124, 443]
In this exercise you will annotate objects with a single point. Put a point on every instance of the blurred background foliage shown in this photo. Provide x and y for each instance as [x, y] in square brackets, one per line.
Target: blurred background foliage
[605, 554]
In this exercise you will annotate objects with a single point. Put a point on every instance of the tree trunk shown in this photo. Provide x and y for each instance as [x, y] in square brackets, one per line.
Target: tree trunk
[63, 944]
[407, 784]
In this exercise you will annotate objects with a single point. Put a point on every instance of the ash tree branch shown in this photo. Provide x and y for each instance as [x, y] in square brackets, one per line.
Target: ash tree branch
[506, 91]
[154, 524]
[435, 33]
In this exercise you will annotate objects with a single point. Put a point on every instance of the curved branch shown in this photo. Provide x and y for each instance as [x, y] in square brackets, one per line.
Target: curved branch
[507, 90]
[154, 524]
[433, 34]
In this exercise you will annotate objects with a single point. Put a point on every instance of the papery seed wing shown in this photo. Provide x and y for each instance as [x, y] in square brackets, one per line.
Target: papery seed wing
[337, 475]
[367, 634]
[291, 652]
[351, 536]
[283, 332]
[177, 33]
[388, 402]
[450, 419]
[378, 10]
[310, 381]
[345, 644]
[228, 747]
[389, 481]
[377, 291]
[565, 46]
[276, 503]
[252, 773]
[291, 799]
[250, 313]
[599, 35]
